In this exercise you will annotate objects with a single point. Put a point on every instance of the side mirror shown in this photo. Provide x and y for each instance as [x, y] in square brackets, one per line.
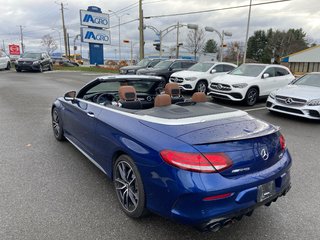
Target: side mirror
[170, 69]
[213, 71]
[265, 75]
[70, 96]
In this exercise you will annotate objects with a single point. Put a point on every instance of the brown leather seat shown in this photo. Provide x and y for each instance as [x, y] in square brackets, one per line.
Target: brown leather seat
[162, 100]
[173, 90]
[127, 93]
[199, 97]
[128, 97]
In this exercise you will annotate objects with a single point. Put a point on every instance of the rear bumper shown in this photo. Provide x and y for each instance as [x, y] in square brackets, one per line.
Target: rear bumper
[182, 199]
[33, 67]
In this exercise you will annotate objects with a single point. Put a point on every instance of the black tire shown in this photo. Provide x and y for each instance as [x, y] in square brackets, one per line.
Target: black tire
[202, 86]
[40, 68]
[129, 187]
[18, 70]
[8, 66]
[251, 96]
[57, 125]
[50, 67]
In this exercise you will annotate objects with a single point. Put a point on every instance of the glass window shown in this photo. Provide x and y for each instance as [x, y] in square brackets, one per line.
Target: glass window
[31, 55]
[163, 64]
[201, 67]
[248, 70]
[309, 80]
[176, 65]
[281, 72]
[143, 62]
[218, 68]
[153, 63]
[228, 68]
[187, 64]
[271, 71]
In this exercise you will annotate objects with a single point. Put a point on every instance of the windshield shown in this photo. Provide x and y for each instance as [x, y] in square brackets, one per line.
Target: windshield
[248, 70]
[312, 80]
[163, 64]
[143, 62]
[201, 67]
[31, 55]
[153, 63]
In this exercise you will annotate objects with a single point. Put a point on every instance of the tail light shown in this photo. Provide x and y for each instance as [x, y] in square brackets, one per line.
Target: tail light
[282, 142]
[197, 162]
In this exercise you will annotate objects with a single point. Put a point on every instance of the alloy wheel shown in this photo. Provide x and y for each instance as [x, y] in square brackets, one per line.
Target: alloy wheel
[56, 123]
[252, 96]
[126, 186]
[202, 87]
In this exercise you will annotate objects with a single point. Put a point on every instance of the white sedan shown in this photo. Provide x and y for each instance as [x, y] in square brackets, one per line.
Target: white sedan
[301, 98]
[249, 82]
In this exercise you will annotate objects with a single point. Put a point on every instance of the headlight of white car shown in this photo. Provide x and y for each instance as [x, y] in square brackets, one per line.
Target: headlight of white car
[240, 85]
[190, 78]
[272, 95]
[314, 102]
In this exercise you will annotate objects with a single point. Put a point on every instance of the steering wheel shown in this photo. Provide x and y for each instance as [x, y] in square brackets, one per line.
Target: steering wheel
[105, 98]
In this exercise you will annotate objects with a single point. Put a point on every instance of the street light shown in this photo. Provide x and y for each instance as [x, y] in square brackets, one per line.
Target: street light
[221, 37]
[119, 23]
[164, 32]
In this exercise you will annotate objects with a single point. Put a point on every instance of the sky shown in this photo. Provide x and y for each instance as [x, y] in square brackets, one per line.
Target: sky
[40, 17]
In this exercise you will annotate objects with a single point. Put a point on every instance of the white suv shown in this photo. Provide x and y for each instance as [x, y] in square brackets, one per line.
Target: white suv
[196, 78]
[249, 82]
[4, 61]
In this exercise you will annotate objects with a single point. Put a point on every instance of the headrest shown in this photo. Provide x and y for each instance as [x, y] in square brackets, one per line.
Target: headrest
[199, 97]
[172, 89]
[162, 100]
[127, 93]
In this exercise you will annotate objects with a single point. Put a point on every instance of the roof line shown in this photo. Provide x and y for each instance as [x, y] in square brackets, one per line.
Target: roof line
[304, 50]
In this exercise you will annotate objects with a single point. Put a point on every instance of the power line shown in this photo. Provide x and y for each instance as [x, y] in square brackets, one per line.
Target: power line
[215, 10]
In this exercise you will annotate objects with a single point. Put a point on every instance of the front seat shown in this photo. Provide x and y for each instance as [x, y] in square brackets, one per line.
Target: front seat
[128, 97]
[173, 90]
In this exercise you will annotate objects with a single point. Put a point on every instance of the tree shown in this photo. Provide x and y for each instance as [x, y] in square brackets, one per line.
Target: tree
[49, 43]
[195, 41]
[211, 46]
[234, 51]
[265, 45]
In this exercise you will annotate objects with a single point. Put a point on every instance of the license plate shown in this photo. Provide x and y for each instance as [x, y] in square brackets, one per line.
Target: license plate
[266, 191]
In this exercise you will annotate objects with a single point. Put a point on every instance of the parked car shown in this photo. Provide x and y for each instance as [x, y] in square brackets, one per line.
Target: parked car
[249, 82]
[301, 98]
[166, 68]
[198, 163]
[196, 78]
[34, 61]
[144, 63]
[4, 61]
[62, 61]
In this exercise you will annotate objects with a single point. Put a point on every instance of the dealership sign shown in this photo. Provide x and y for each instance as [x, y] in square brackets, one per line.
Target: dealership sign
[94, 19]
[92, 35]
[14, 49]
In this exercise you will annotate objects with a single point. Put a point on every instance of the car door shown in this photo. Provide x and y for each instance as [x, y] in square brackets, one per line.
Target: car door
[79, 121]
[268, 84]
[174, 67]
[284, 77]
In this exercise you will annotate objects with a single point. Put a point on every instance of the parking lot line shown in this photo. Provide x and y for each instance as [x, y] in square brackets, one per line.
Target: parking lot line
[255, 109]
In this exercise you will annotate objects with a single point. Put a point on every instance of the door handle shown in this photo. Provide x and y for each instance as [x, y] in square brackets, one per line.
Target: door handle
[90, 114]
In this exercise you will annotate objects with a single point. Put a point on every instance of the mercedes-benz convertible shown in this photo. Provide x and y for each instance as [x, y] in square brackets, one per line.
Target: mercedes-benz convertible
[190, 160]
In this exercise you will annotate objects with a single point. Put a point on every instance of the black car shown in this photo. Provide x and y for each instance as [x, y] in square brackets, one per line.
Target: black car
[34, 61]
[144, 63]
[166, 68]
[62, 61]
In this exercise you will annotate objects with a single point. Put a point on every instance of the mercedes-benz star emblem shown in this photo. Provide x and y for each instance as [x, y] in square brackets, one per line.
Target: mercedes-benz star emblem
[264, 154]
[288, 100]
[219, 86]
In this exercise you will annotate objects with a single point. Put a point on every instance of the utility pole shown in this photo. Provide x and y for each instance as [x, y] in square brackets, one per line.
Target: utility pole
[247, 34]
[68, 37]
[21, 37]
[3, 46]
[177, 46]
[141, 29]
[64, 31]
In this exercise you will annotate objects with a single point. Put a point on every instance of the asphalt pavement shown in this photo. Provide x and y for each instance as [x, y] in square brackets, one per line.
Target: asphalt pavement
[49, 190]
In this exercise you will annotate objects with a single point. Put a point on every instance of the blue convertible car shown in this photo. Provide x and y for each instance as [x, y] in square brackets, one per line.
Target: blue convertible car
[196, 162]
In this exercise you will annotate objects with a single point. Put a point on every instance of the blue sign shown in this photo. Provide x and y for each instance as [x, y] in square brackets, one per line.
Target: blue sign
[92, 35]
[94, 19]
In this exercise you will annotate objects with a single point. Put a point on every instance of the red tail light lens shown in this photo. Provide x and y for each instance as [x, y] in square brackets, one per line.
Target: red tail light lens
[208, 163]
[282, 142]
